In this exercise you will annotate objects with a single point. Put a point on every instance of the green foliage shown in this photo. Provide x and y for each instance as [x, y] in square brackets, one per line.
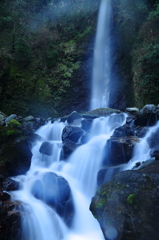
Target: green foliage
[13, 123]
[131, 198]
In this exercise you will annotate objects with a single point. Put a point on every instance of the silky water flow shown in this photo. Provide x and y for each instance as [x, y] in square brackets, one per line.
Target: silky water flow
[101, 63]
[39, 220]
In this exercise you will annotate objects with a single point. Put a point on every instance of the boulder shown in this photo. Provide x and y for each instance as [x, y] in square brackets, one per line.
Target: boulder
[10, 223]
[73, 116]
[72, 133]
[127, 206]
[155, 152]
[133, 111]
[12, 116]
[56, 192]
[103, 112]
[119, 150]
[149, 115]
[147, 119]
[141, 131]
[67, 148]
[107, 173]
[149, 108]
[10, 185]
[124, 131]
[16, 158]
[29, 118]
[46, 148]
[86, 124]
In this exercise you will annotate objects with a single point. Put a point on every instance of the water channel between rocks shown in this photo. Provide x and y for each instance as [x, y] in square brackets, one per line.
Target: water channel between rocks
[56, 194]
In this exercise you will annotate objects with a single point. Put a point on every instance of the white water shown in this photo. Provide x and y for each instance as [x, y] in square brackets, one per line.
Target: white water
[40, 221]
[142, 150]
[101, 65]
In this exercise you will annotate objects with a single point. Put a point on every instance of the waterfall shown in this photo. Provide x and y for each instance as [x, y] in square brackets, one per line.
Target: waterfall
[40, 219]
[142, 149]
[101, 64]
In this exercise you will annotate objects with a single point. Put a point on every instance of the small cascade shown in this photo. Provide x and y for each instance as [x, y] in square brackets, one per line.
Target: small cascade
[142, 149]
[56, 194]
[101, 64]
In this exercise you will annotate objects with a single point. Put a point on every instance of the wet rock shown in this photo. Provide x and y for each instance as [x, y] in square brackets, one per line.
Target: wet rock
[38, 190]
[68, 148]
[46, 148]
[16, 158]
[155, 152]
[4, 196]
[124, 131]
[118, 150]
[29, 118]
[133, 111]
[10, 185]
[147, 119]
[86, 124]
[103, 112]
[128, 205]
[56, 192]
[12, 116]
[10, 224]
[141, 131]
[73, 116]
[72, 133]
[85, 138]
[149, 108]
[106, 174]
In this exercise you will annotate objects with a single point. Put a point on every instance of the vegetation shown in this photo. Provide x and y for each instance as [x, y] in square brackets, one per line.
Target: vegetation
[131, 198]
[40, 50]
[137, 28]
[43, 46]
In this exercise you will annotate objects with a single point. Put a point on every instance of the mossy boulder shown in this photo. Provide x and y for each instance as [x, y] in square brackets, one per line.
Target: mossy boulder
[128, 204]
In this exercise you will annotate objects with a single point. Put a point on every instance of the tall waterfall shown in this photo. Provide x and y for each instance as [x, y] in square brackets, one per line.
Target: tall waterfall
[40, 221]
[101, 65]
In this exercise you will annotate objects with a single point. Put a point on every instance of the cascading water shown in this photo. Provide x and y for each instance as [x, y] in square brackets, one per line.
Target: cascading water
[101, 65]
[142, 149]
[40, 221]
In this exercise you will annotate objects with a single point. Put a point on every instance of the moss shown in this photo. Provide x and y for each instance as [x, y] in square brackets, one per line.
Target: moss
[13, 123]
[131, 198]
[101, 203]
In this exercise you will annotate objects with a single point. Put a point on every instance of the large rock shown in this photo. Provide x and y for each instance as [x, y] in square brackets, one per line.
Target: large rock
[15, 158]
[68, 148]
[56, 192]
[153, 139]
[119, 150]
[46, 148]
[147, 119]
[86, 124]
[127, 206]
[124, 131]
[149, 115]
[72, 133]
[10, 220]
[73, 116]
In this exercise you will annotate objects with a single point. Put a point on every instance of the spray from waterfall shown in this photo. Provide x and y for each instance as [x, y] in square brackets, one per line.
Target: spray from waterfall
[101, 65]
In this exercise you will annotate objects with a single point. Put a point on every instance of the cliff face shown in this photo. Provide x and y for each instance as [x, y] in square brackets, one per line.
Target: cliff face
[45, 55]
[135, 25]
[46, 51]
